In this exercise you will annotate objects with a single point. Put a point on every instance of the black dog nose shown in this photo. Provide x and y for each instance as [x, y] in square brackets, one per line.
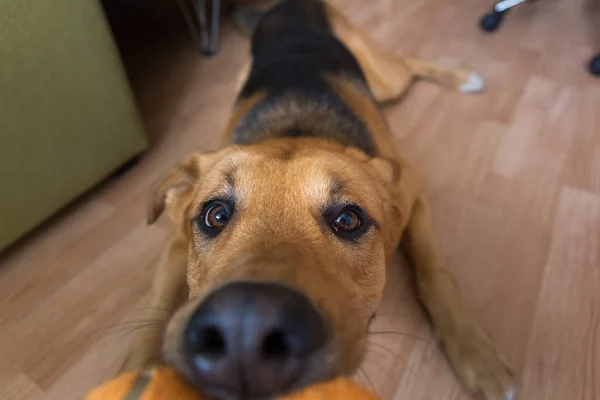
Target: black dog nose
[251, 340]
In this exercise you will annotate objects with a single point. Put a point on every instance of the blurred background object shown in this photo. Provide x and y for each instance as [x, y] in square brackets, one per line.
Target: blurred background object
[67, 115]
[595, 65]
[202, 17]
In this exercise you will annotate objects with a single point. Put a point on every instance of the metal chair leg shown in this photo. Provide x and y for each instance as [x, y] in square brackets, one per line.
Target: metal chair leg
[190, 21]
[196, 17]
[504, 5]
[205, 39]
[216, 19]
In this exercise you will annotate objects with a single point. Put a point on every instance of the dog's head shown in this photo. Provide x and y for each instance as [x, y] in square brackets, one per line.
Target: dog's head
[288, 242]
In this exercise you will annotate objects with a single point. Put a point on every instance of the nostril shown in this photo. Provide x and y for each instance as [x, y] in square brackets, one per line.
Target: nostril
[251, 340]
[210, 343]
[275, 346]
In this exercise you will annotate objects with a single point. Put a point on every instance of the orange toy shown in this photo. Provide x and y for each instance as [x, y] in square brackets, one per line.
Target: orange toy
[165, 384]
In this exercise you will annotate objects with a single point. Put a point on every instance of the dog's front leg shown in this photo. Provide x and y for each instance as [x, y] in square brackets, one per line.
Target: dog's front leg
[472, 353]
[169, 291]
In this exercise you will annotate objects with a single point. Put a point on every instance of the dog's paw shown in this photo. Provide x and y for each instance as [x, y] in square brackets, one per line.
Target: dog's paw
[482, 368]
[473, 83]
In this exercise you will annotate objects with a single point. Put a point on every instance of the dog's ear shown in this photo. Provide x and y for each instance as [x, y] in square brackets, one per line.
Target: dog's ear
[388, 170]
[401, 185]
[175, 187]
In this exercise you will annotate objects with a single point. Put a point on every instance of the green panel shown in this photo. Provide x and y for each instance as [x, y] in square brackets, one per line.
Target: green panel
[67, 117]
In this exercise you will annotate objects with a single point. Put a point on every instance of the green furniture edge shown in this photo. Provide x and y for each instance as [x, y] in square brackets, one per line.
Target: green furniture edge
[67, 115]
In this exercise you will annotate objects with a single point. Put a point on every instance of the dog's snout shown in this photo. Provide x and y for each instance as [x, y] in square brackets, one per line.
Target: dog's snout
[251, 340]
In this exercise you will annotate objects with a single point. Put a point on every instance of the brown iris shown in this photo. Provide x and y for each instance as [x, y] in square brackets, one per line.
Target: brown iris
[348, 221]
[217, 216]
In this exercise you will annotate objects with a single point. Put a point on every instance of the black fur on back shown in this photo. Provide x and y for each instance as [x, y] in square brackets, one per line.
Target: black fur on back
[293, 48]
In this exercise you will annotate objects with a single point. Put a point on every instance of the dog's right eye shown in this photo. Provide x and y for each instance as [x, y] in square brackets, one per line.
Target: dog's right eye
[214, 217]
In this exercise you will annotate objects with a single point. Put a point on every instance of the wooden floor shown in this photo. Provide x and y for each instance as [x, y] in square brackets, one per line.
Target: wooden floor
[514, 178]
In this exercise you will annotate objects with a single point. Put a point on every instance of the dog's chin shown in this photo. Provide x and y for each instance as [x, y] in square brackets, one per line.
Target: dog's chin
[322, 366]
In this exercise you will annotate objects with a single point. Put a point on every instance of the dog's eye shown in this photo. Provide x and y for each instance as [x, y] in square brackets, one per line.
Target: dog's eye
[347, 221]
[216, 216]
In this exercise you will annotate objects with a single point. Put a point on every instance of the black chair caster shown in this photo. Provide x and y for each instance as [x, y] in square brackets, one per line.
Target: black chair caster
[490, 22]
[595, 66]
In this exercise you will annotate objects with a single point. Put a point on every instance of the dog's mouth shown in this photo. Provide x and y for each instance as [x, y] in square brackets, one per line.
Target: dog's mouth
[253, 341]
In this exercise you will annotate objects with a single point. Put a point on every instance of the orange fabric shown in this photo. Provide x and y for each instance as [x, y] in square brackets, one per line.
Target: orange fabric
[165, 384]
[115, 389]
[338, 389]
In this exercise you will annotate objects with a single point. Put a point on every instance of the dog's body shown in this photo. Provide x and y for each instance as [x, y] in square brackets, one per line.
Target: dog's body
[295, 55]
[309, 195]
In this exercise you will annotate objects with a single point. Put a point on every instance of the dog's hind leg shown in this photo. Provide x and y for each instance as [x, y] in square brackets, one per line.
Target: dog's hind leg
[169, 291]
[461, 80]
[390, 76]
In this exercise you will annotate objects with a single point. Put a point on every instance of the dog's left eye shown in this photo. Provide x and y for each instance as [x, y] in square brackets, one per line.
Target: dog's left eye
[348, 222]
[214, 217]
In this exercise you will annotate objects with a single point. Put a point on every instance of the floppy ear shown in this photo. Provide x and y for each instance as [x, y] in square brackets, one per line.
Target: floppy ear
[388, 170]
[402, 185]
[174, 188]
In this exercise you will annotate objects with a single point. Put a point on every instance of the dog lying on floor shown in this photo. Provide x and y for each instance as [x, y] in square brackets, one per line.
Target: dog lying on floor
[277, 263]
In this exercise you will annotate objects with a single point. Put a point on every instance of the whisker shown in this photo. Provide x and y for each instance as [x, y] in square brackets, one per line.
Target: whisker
[158, 296]
[369, 381]
[394, 354]
[137, 321]
[127, 325]
[136, 329]
[153, 308]
[415, 337]
[391, 314]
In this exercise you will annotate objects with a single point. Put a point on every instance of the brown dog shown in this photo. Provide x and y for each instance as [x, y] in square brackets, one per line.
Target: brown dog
[277, 264]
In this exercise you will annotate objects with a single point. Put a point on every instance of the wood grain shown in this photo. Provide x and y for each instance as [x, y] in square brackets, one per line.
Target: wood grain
[514, 181]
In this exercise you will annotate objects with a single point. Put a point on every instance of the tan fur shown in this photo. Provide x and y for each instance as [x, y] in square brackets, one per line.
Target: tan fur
[364, 107]
[276, 235]
[390, 76]
[239, 111]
